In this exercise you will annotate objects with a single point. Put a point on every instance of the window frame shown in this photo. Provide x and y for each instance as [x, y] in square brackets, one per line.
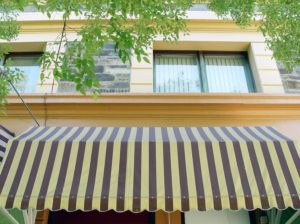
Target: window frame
[201, 67]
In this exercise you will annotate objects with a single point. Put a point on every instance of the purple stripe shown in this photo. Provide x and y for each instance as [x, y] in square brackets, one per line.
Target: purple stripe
[152, 171]
[4, 139]
[137, 171]
[185, 205]
[122, 171]
[167, 171]
[7, 131]
[107, 170]
[2, 149]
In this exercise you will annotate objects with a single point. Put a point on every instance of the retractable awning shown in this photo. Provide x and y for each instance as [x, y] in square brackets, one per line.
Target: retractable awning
[150, 169]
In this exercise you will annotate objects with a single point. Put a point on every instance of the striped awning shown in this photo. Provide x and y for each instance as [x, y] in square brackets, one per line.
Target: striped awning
[150, 169]
[5, 135]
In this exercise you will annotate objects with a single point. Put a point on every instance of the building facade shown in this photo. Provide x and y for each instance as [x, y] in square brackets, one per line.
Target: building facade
[218, 75]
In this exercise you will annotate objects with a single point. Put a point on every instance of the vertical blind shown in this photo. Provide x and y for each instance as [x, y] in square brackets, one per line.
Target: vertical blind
[177, 73]
[226, 73]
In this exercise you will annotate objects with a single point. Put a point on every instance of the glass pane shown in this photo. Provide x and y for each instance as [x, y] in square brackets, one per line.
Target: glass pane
[226, 73]
[30, 66]
[290, 79]
[177, 73]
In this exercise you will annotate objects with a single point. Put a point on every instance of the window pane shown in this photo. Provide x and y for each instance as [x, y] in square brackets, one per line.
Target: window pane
[226, 73]
[30, 66]
[177, 73]
[290, 79]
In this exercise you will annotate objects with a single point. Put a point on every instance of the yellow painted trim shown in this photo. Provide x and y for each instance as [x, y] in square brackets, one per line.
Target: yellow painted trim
[162, 98]
[147, 107]
[193, 25]
[140, 83]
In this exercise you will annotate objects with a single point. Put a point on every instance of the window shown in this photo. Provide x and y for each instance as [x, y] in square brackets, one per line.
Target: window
[29, 64]
[202, 72]
[290, 79]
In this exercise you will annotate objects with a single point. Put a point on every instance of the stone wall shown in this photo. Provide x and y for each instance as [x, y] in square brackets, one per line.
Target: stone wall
[112, 73]
[290, 79]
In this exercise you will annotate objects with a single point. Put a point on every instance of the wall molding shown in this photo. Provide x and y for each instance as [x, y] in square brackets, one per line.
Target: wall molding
[158, 106]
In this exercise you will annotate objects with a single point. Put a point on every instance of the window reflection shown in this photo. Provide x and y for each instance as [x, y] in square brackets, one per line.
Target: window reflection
[30, 66]
[177, 73]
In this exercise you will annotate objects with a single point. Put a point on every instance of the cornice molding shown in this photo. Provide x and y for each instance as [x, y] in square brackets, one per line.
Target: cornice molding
[196, 25]
[158, 106]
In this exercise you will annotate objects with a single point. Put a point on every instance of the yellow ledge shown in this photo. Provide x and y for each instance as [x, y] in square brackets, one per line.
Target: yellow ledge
[161, 98]
[131, 109]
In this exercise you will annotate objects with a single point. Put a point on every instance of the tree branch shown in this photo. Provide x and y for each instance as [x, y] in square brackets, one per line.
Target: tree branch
[63, 33]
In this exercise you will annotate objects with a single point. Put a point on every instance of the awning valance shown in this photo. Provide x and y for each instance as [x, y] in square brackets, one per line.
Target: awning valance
[150, 169]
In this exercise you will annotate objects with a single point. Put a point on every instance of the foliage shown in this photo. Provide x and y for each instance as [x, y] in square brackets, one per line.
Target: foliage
[279, 21]
[7, 76]
[132, 37]
[16, 213]
[133, 24]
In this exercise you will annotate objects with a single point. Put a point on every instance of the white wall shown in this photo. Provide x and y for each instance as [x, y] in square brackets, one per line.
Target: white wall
[217, 217]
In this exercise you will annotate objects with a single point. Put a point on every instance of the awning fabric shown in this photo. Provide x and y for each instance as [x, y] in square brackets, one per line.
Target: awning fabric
[5, 135]
[150, 169]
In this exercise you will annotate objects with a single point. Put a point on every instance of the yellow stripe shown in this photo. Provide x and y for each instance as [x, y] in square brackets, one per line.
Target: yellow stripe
[189, 170]
[86, 169]
[100, 169]
[174, 170]
[130, 170]
[145, 170]
[160, 184]
[113, 190]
